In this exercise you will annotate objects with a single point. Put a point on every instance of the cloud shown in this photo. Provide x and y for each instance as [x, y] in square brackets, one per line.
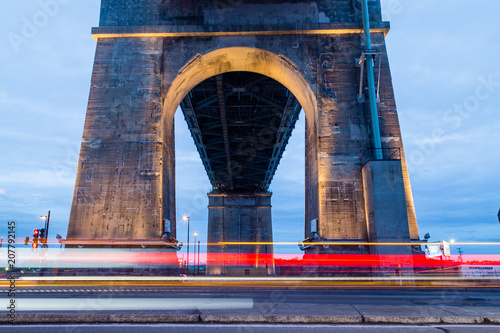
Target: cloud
[40, 178]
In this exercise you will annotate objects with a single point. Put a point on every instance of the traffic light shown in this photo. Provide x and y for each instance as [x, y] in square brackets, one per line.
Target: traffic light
[36, 233]
[26, 241]
[43, 237]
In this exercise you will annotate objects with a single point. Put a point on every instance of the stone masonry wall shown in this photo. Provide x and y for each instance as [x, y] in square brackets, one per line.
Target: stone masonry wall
[125, 183]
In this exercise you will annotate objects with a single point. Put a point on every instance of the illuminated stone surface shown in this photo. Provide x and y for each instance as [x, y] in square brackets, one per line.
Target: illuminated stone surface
[151, 53]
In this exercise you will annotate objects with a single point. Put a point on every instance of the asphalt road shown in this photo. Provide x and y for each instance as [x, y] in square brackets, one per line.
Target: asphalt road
[207, 308]
[310, 296]
[248, 328]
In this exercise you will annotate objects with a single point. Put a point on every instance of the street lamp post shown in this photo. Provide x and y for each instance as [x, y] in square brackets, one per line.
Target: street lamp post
[198, 268]
[186, 218]
[47, 221]
[194, 253]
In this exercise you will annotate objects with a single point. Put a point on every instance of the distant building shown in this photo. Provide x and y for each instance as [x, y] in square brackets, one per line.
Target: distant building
[480, 270]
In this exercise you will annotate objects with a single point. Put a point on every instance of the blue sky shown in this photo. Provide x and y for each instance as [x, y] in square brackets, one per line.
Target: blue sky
[443, 55]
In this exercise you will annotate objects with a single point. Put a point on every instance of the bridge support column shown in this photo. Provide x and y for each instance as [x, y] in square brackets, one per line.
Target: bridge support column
[386, 214]
[385, 203]
[240, 234]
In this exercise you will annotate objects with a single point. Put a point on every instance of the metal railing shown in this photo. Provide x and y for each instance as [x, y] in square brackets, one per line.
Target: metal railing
[388, 154]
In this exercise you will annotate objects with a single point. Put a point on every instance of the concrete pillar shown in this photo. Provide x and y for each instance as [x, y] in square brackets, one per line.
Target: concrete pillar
[386, 213]
[119, 180]
[385, 205]
[240, 219]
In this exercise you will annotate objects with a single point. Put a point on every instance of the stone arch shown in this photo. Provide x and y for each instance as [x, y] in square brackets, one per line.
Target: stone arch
[240, 59]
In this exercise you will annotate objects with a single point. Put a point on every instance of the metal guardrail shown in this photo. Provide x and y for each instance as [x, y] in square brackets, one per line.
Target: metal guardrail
[388, 154]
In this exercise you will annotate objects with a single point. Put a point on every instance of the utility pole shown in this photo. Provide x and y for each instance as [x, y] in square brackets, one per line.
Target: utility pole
[194, 253]
[460, 254]
[186, 218]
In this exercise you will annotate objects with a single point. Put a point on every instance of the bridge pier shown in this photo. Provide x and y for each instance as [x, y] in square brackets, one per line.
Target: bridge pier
[385, 207]
[386, 214]
[234, 221]
[239, 75]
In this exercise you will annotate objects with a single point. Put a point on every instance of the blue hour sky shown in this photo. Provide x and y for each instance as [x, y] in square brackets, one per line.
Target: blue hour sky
[444, 60]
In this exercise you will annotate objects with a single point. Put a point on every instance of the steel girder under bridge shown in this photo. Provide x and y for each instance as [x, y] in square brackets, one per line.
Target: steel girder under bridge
[241, 123]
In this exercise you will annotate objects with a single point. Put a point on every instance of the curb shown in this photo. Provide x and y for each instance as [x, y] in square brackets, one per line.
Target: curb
[48, 318]
[40, 318]
[282, 319]
[423, 320]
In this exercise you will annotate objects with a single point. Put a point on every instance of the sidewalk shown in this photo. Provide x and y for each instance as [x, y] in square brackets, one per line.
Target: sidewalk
[280, 313]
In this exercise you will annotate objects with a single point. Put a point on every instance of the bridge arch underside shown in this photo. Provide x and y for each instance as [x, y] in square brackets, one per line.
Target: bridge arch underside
[241, 123]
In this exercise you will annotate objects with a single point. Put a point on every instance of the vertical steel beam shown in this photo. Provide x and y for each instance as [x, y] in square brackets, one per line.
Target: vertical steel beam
[376, 140]
[283, 134]
[195, 129]
[225, 135]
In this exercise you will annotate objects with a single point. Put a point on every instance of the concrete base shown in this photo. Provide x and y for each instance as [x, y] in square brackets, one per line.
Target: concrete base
[240, 220]
[385, 206]
[386, 212]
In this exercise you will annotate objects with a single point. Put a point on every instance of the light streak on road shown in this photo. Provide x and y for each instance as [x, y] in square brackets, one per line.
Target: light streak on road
[147, 242]
[297, 270]
[134, 258]
[132, 304]
[261, 282]
[186, 279]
